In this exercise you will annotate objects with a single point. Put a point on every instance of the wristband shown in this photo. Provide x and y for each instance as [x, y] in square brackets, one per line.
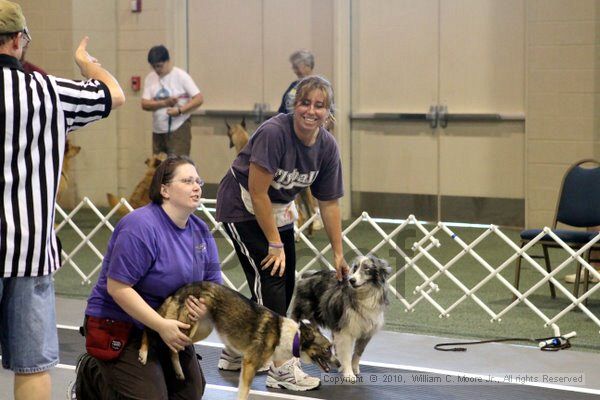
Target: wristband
[276, 245]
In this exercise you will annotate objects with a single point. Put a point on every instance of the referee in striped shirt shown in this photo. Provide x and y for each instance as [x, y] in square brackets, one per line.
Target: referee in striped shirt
[36, 114]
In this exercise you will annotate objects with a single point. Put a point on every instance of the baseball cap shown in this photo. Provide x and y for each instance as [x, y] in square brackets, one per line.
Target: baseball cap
[11, 17]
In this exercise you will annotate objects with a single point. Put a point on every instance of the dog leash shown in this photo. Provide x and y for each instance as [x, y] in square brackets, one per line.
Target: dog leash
[552, 343]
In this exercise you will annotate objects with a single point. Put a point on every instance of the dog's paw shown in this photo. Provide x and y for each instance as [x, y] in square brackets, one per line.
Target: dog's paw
[143, 357]
[355, 365]
[349, 377]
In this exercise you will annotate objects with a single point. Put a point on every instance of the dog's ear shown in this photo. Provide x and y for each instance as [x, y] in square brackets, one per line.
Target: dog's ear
[381, 266]
[307, 331]
[156, 160]
[227, 125]
[243, 123]
[388, 268]
[71, 150]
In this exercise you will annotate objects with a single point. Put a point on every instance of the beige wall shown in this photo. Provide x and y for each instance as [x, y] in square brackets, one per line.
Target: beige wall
[50, 23]
[137, 33]
[113, 150]
[561, 102]
[95, 166]
[563, 86]
[243, 59]
[463, 54]
[252, 47]
[57, 27]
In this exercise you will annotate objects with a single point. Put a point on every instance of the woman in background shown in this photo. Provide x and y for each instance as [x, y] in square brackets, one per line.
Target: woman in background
[303, 63]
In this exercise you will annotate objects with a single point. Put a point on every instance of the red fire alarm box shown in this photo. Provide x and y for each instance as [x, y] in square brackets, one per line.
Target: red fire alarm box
[136, 5]
[135, 83]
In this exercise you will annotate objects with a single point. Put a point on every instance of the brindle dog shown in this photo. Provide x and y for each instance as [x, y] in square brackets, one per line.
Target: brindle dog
[251, 329]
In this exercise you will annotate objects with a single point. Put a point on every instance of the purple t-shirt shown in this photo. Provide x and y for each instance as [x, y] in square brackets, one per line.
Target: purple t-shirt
[295, 166]
[156, 257]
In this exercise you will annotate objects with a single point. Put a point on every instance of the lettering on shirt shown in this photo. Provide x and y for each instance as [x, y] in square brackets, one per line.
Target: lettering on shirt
[288, 180]
[200, 247]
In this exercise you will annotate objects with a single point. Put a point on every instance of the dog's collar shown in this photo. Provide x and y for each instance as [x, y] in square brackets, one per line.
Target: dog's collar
[296, 345]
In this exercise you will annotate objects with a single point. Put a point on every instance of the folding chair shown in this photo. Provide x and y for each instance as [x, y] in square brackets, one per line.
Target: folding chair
[578, 206]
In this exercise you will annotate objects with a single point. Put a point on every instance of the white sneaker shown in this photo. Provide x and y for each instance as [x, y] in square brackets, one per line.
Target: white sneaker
[571, 278]
[290, 376]
[318, 223]
[233, 362]
[71, 395]
[266, 367]
[229, 361]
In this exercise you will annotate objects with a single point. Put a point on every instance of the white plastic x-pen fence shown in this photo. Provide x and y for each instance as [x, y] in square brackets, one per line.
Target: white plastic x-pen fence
[422, 253]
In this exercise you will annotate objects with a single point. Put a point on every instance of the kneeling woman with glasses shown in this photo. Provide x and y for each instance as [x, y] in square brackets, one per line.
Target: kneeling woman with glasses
[153, 251]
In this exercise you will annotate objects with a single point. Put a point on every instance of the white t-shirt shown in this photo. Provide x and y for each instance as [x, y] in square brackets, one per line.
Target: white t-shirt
[176, 83]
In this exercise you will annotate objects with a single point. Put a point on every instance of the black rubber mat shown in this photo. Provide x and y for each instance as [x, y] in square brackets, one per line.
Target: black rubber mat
[72, 344]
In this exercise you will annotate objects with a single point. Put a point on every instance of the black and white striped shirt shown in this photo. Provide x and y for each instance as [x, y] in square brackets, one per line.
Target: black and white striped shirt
[36, 113]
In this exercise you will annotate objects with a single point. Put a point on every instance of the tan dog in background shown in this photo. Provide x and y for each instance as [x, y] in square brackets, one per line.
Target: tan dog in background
[140, 196]
[238, 135]
[305, 202]
[71, 151]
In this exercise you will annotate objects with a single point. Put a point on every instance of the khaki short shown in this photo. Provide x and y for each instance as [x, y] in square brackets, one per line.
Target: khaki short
[177, 142]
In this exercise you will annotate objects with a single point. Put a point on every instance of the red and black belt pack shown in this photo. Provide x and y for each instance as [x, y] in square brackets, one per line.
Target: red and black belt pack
[106, 338]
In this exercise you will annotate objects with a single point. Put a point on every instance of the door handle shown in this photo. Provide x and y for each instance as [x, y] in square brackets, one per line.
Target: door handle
[432, 116]
[258, 113]
[442, 115]
[261, 112]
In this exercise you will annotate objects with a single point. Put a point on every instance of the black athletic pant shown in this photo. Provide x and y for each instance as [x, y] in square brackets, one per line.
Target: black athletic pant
[252, 246]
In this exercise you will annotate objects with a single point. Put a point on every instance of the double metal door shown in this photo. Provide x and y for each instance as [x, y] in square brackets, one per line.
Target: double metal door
[443, 102]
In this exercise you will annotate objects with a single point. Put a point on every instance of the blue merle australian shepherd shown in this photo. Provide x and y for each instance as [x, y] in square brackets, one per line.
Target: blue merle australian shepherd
[351, 309]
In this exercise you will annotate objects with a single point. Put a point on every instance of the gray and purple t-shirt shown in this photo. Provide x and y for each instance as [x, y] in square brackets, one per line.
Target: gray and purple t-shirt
[295, 166]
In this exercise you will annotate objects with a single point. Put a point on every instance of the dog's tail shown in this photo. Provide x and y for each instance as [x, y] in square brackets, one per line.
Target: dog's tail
[113, 201]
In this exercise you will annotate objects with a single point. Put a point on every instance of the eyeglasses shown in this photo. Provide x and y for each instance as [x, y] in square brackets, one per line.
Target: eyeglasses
[24, 34]
[27, 35]
[190, 181]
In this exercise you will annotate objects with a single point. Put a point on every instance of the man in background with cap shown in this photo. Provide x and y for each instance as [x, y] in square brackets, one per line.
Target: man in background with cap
[36, 114]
